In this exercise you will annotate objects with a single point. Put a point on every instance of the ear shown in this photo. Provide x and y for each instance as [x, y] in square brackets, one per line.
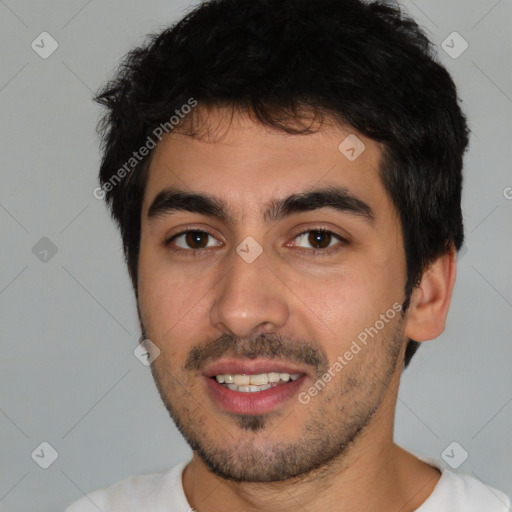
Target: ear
[430, 300]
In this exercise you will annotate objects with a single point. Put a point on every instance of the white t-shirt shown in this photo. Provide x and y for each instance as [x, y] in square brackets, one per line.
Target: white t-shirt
[163, 492]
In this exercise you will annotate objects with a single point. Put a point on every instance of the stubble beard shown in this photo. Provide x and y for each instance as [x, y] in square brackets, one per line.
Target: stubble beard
[339, 414]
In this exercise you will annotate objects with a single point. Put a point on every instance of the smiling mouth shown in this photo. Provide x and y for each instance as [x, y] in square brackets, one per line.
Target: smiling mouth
[254, 383]
[252, 393]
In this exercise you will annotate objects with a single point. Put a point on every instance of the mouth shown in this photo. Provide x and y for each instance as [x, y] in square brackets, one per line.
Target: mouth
[252, 387]
[254, 383]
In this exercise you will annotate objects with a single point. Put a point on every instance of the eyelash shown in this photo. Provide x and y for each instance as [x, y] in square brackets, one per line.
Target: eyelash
[314, 252]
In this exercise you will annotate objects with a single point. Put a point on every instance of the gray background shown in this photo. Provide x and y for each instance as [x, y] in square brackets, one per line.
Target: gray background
[68, 374]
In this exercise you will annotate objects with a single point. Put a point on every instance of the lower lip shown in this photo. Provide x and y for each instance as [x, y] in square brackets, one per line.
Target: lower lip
[258, 402]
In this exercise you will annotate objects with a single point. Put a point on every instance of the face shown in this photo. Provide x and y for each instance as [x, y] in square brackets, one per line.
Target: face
[274, 264]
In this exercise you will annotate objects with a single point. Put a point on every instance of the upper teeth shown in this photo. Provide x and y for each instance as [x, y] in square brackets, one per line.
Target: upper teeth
[257, 380]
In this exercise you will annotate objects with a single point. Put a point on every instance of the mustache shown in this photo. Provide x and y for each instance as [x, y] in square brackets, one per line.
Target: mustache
[268, 345]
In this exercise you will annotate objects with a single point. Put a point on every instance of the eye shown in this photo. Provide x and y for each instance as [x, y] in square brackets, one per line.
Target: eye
[193, 240]
[317, 239]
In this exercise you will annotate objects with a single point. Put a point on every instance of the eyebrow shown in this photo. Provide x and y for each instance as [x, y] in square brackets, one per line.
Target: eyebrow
[172, 200]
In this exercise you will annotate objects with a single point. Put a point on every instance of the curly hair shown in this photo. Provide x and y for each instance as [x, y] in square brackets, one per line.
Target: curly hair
[363, 64]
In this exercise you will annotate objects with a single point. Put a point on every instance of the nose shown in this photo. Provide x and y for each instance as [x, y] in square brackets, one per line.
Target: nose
[250, 298]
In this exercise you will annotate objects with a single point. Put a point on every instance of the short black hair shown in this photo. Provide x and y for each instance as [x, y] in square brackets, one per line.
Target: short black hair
[366, 65]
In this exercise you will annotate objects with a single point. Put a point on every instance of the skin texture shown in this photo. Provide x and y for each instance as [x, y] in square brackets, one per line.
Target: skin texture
[336, 452]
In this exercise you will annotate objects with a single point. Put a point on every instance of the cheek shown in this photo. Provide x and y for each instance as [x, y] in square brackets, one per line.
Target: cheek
[330, 309]
[172, 300]
[341, 307]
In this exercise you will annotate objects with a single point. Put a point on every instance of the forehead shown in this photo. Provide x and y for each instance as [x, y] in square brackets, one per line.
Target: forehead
[248, 164]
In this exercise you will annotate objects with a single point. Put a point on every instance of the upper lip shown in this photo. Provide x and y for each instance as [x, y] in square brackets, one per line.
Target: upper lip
[250, 367]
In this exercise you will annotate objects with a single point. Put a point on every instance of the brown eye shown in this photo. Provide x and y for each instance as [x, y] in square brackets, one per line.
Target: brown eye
[194, 240]
[317, 239]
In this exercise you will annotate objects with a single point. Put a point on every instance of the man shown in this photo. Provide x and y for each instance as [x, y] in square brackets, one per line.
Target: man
[286, 176]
